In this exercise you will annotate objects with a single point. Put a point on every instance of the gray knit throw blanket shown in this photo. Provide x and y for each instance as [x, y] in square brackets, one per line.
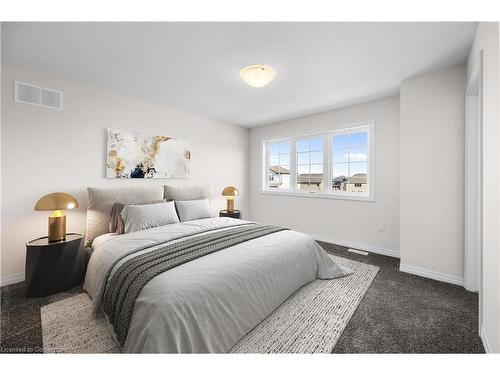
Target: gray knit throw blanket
[132, 275]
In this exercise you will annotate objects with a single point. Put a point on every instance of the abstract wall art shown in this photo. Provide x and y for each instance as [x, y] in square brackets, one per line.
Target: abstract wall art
[130, 155]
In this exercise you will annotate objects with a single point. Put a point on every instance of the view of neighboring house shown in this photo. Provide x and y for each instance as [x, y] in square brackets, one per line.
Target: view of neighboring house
[358, 183]
[279, 177]
[338, 183]
[313, 181]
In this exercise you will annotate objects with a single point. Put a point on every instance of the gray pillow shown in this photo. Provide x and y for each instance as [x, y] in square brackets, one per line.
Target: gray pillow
[186, 192]
[101, 201]
[193, 210]
[140, 217]
[116, 224]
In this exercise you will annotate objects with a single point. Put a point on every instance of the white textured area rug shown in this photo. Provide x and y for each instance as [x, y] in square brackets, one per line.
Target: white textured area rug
[310, 321]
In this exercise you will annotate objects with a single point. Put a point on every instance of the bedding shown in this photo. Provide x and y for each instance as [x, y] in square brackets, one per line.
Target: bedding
[207, 304]
[129, 279]
[193, 209]
[140, 217]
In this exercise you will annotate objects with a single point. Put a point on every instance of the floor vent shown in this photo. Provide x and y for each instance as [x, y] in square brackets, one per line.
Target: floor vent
[357, 251]
[39, 96]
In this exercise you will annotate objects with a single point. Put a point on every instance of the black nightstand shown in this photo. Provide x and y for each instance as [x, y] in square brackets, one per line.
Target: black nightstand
[53, 267]
[236, 214]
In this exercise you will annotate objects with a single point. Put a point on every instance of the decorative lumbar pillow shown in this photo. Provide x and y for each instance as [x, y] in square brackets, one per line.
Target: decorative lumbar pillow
[193, 210]
[140, 217]
[116, 224]
[101, 201]
[186, 192]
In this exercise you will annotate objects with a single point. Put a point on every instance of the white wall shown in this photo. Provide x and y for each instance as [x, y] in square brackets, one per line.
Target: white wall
[45, 150]
[340, 221]
[487, 40]
[432, 174]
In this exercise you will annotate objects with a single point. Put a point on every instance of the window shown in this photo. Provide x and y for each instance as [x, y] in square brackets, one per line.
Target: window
[335, 164]
[278, 165]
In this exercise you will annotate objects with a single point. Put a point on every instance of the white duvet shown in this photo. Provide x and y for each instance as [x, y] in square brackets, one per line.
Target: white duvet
[209, 304]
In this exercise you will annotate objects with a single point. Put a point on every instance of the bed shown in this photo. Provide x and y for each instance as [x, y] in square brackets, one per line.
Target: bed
[239, 274]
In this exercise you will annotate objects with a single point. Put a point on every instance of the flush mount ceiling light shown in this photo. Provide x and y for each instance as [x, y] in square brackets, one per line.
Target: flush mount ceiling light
[257, 75]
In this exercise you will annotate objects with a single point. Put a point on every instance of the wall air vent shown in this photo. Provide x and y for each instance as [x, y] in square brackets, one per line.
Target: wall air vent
[36, 95]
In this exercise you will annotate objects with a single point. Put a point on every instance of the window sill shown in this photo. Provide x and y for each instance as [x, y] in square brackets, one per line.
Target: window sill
[321, 195]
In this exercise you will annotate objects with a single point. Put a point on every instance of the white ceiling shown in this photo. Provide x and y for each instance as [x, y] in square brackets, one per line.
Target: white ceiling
[195, 66]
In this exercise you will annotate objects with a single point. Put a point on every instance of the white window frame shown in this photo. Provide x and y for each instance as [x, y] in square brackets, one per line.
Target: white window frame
[327, 192]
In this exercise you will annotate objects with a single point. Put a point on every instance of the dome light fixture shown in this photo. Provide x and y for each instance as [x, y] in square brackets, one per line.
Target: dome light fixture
[258, 75]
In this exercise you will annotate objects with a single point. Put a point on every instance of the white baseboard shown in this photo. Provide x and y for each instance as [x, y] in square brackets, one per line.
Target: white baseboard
[355, 245]
[12, 279]
[484, 339]
[424, 272]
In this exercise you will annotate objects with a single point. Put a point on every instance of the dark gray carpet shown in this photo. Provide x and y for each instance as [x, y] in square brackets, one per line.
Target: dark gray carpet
[400, 313]
[403, 313]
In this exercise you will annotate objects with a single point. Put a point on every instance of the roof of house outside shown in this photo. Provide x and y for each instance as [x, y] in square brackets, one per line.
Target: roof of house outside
[313, 178]
[358, 178]
[339, 179]
[279, 170]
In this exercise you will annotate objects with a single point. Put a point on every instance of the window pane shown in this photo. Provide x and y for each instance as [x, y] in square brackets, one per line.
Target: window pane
[302, 168]
[350, 162]
[310, 156]
[285, 159]
[340, 170]
[274, 148]
[359, 167]
[284, 148]
[303, 158]
[303, 145]
[279, 165]
[274, 160]
[317, 144]
[359, 154]
[317, 169]
[359, 139]
[340, 155]
[340, 141]
[317, 157]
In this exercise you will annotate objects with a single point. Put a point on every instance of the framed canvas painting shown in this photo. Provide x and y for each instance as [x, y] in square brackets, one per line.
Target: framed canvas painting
[130, 155]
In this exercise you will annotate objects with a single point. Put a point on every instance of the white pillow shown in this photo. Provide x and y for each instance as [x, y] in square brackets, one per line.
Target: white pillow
[193, 210]
[148, 216]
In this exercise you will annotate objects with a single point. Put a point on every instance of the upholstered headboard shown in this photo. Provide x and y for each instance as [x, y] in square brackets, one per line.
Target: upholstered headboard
[186, 192]
[101, 200]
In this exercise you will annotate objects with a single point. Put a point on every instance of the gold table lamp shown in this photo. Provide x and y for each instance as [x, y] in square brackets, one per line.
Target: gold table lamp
[57, 203]
[230, 192]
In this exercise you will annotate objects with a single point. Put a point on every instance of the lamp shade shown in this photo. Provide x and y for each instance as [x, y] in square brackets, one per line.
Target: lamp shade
[56, 201]
[230, 191]
[257, 75]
